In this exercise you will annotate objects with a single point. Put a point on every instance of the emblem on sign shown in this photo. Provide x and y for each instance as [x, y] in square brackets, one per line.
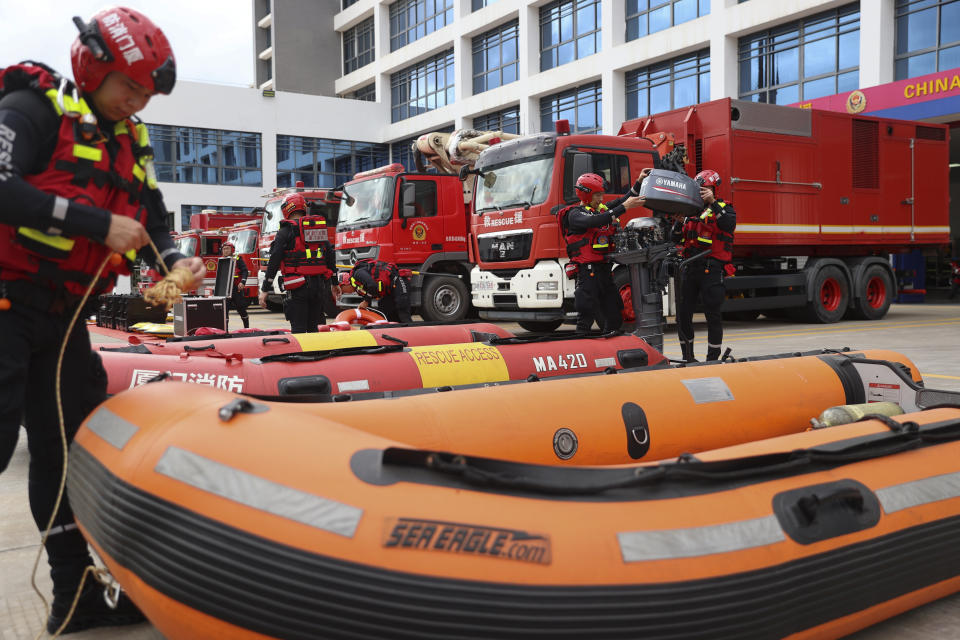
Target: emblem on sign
[856, 102]
[419, 231]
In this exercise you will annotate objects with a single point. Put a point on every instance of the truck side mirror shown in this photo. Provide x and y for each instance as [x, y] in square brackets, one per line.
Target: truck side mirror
[582, 163]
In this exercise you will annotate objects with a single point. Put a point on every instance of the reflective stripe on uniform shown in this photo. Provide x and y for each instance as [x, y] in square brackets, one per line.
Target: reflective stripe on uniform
[87, 153]
[54, 241]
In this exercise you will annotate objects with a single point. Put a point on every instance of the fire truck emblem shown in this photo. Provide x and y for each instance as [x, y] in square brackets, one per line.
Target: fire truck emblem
[419, 231]
[856, 102]
[211, 265]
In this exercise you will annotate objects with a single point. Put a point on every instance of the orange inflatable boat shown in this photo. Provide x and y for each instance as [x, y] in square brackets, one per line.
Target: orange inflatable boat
[278, 524]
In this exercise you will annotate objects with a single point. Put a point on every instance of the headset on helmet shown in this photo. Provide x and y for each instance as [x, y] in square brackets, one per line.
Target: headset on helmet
[292, 203]
[587, 185]
[708, 178]
[124, 40]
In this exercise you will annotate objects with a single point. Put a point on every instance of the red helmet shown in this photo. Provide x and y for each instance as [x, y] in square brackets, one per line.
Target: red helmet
[124, 40]
[587, 185]
[228, 244]
[292, 203]
[708, 178]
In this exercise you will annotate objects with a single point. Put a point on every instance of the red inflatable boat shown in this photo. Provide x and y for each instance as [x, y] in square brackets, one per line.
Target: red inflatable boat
[393, 365]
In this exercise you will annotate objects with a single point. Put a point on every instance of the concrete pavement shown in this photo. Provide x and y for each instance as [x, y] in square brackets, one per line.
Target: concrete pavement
[928, 334]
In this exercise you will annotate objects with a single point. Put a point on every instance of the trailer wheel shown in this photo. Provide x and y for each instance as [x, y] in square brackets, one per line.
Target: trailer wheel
[876, 293]
[831, 296]
[444, 299]
[540, 326]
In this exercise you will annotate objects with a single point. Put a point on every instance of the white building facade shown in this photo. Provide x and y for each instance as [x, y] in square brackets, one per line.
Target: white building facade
[411, 66]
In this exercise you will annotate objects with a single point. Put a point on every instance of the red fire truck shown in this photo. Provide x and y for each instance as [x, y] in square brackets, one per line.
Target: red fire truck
[822, 200]
[321, 202]
[245, 237]
[418, 220]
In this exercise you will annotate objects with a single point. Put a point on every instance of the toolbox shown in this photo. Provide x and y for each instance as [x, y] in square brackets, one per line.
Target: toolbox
[122, 311]
[194, 312]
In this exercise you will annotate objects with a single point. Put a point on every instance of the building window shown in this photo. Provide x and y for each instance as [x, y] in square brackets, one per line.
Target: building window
[187, 210]
[675, 83]
[495, 58]
[480, 4]
[412, 19]
[818, 56]
[206, 156]
[347, 3]
[928, 37]
[368, 93]
[320, 162]
[506, 120]
[358, 48]
[569, 30]
[581, 106]
[423, 87]
[402, 150]
[649, 16]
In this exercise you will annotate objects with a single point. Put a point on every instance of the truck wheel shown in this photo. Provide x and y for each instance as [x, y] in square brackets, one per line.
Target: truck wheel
[540, 326]
[831, 296]
[875, 294]
[445, 300]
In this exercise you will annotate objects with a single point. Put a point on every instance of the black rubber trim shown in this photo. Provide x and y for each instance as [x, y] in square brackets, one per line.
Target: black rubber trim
[285, 592]
[852, 383]
[133, 348]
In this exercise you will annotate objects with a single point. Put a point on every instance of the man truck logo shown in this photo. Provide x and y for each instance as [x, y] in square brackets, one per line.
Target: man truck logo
[469, 539]
[419, 231]
[856, 102]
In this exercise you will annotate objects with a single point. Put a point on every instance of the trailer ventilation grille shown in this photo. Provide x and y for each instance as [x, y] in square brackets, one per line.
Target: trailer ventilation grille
[698, 154]
[866, 148]
[931, 133]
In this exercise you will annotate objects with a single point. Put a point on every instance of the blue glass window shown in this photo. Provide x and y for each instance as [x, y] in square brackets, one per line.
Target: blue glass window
[480, 4]
[321, 162]
[815, 57]
[412, 19]
[581, 106]
[569, 30]
[506, 120]
[347, 3]
[495, 57]
[927, 37]
[649, 16]
[368, 93]
[422, 87]
[206, 156]
[667, 85]
[358, 47]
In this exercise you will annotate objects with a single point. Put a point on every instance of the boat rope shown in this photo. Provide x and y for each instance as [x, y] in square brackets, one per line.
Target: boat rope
[165, 295]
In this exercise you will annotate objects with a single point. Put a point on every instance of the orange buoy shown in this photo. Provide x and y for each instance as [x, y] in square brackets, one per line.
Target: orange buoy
[359, 316]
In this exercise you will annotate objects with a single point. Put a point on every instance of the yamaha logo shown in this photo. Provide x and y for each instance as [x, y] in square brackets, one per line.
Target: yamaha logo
[676, 184]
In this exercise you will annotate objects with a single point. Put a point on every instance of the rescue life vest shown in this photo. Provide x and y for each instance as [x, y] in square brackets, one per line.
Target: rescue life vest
[382, 274]
[702, 232]
[308, 255]
[591, 245]
[82, 168]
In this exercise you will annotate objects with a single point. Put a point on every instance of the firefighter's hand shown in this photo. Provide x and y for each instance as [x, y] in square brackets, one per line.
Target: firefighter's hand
[263, 299]
[336, 291]
[706, 193]
[196, 267]
[634, 201]
[635, 189]
[125, 234]
[364, 304]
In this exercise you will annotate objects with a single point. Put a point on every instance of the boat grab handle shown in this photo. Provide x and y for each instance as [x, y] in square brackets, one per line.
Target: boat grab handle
[284, 340]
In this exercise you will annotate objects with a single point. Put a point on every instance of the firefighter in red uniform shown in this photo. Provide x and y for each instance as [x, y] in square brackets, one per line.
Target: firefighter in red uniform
[588, 230]
[76, 184]
[307, 256]
[237, 300]
[711, 230]
[383, 282]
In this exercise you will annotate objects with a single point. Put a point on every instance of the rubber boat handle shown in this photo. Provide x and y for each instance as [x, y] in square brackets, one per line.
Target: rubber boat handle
[209, 347]
[809, 507]
[269, 340]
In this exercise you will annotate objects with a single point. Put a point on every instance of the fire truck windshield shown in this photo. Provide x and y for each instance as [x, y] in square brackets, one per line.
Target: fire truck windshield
[244, 241]
[372, 204]
[187, 245]
[272, 217]
[525, 183]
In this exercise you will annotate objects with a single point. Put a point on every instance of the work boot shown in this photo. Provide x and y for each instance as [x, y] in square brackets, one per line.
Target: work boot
[686, 349]
[92, 610]
[713, 353]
